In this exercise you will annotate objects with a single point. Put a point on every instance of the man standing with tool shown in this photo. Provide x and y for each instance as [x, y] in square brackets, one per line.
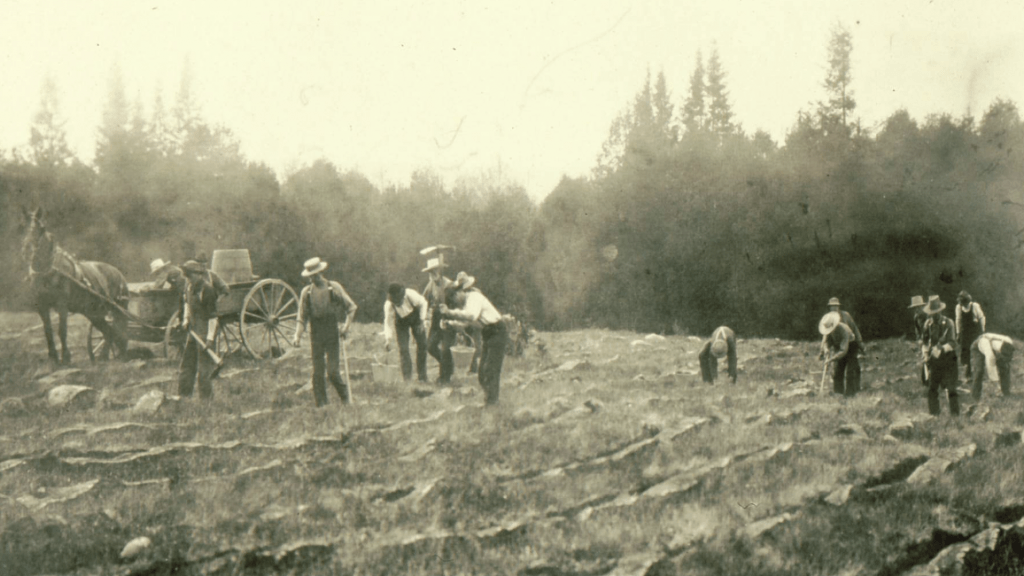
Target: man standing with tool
[970, 323]
[405, 311]
[917, 309]
[939, 351]
[839, 345]
[199, 309]
[440, 339]
[322, 305]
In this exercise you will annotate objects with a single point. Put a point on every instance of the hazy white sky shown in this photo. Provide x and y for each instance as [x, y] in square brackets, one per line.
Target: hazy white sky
[463, 87]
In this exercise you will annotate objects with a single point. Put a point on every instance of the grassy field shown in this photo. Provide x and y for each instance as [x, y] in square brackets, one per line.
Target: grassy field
[607, 455]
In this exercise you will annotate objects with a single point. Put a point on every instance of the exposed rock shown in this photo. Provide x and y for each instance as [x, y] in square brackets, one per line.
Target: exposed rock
[756, 529]
[890, 439]
[902, 429]
[43, 499]
[150, 402]
[573, 365]
[71, 396]
[135, 547]
[981, 414]
[938, 465]
[136, 364]
[639, 343]
[852, 430]
[839, 496]
[795, 392]
[654, 338]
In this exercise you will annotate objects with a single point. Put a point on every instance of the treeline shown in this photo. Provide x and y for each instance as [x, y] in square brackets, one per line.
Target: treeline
[687, 222]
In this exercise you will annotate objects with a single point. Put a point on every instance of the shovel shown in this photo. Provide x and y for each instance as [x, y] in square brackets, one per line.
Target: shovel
[213, 355]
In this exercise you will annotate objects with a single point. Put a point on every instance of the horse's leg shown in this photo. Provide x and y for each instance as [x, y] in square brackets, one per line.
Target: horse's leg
[99, 322]
[62, 313]
[44, 314]
[119, 329]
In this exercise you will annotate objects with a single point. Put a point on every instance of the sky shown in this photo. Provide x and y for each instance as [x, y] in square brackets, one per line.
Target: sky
[524, 89]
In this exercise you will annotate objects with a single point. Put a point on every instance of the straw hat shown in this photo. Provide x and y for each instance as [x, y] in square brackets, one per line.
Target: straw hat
[157, 265]
[719, 348]
[464, 281]
[828, 323]
[313, 266]
[432, 264]
[935, 306]
[833, 301]
[916, 301]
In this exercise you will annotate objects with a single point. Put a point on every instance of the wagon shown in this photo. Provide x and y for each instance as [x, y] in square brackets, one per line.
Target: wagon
[257, 316]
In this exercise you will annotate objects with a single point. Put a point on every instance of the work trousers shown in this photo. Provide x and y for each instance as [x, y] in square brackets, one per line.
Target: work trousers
[942, 374]
[403, 326]
[846, 372]
[972, 330]
[324, 340]
[492, 356]
[439, 345]
[1003, 361]
[195, 365]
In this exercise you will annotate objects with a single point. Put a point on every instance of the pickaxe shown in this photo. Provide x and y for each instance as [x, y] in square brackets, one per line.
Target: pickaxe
[213, 355]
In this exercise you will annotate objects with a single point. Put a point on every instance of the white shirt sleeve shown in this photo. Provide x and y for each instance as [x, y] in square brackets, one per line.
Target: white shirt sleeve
[389, 321]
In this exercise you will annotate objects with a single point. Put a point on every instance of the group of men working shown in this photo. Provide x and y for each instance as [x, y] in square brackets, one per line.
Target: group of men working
[432, 319]
[945, 344]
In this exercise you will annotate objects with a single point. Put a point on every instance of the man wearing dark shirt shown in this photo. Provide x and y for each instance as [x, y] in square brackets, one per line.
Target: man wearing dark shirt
[199, 310]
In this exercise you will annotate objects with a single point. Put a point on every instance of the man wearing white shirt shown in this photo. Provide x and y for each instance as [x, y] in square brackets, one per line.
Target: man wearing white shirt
[991, 354]
[405, 311]
[473, 307]
[970, 323]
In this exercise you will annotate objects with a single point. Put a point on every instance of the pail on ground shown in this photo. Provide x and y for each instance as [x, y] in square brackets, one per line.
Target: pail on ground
[463, 357]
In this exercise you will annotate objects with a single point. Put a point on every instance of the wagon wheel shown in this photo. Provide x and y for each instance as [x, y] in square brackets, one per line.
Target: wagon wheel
[97, 345]
[227, 341]
[268, 318]
[96, 342]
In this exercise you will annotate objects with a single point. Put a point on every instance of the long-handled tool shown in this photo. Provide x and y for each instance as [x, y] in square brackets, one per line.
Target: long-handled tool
[824, 374]
[213, 355]
[348, 379]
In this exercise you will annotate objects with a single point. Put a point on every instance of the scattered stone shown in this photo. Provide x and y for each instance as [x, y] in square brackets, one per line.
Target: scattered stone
[421, 392]
[135, 547]
[654, 338]
[572, 365]
[795, 393]
[608, 360]
[902, 429]
[755, 530]
[594, 405]
[980, 413]
[938, 465]
[639, 343]
[890, 439]
[56, 495]
[638, 378]
[71, 396]
[852, 430]
[150, 402]
[840, 496]
[136, 364]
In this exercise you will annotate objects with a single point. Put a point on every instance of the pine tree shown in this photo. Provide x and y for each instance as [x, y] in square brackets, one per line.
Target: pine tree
[48, 138]
[112, 141]
[719, 110]
[693, 109]
[834, 111]
[661, 102]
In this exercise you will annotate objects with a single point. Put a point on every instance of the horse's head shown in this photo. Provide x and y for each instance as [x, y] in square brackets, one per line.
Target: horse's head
[37, 248]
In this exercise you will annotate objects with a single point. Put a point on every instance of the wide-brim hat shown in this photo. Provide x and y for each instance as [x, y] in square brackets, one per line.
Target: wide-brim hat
[935, 306]
[432, 264]
[192, 267]
[313, 266]
[828, 323]
[833, 301]
[464, 281]
[916, 301]
[157, 265]
[719, 348]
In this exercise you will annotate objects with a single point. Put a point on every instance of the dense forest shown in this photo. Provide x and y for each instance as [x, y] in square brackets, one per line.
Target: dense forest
[686, 222]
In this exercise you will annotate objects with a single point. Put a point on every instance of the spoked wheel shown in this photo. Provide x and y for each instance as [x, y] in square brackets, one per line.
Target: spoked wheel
[228, 340]
[98, 346]
[269, 315]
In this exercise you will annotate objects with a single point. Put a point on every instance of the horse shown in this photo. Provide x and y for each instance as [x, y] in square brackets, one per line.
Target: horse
[59, 281]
